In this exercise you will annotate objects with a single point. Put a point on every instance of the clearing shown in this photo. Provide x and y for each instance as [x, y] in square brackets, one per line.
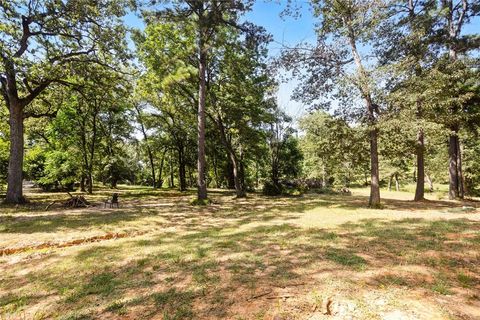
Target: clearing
[317, 256]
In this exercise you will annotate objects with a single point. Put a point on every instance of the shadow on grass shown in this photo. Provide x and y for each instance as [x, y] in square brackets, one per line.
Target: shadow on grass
[198, 275]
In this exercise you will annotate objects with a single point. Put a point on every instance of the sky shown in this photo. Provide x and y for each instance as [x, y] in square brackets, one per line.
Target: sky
[287, 31]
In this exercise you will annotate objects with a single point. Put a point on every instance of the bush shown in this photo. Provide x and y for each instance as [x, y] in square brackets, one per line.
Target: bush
[272, 189]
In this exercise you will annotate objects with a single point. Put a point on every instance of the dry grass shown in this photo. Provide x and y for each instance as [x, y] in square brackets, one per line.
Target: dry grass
[294, 257]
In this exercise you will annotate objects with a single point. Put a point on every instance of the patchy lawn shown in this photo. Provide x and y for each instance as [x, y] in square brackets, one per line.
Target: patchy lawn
[310, 257]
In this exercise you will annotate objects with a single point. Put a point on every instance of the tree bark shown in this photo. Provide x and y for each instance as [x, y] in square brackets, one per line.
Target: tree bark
[374, 200]
[15, 163]
[420, 188]
[461, 182]
[453, 190]
[82, 184]
[240, 193]
[230, 176]
[201, 163]
[172, 181]
[89, 182]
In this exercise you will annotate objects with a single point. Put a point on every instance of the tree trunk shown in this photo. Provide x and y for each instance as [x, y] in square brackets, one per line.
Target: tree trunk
[172, 181]
[430, 182]
[82, 184]
[420, 188]
[364, 88]
[453, 167]
[160, 171]
[324, 175]
[181, 170]
[230, 176]
[236, 176]
[89, 182]
[201, 165]
[374, 200]
[390, 182]
[236, 168]
[15, 163]
[397, 183]
[461, 182]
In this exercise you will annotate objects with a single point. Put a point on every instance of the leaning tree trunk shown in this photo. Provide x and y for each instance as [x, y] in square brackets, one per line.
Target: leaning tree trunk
[364, 87]
[15, 163]
[236, 176]
[202, 91]
[230, 176]
[420, 189]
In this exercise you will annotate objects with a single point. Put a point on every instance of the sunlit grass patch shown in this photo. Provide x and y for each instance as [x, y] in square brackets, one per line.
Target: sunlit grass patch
[465, 280]
[12, 303]
[207, 262]
[118, 307]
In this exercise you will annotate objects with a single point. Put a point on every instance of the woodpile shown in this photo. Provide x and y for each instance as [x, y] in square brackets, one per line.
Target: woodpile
[73, 202]
[76, 202]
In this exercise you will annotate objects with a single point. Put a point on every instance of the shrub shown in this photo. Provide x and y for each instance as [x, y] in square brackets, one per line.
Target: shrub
[272, 189]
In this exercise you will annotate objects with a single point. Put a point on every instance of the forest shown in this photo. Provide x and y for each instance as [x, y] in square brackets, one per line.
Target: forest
[149, 168]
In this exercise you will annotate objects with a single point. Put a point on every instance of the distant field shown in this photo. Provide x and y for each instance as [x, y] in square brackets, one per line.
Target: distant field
[309, 257]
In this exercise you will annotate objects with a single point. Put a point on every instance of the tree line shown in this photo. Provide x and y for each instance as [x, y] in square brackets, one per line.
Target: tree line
[189, 101]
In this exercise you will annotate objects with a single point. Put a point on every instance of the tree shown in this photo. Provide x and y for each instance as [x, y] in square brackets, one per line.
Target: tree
[405, 46]
[453, 17]
[239, 86]
[206, 17]
[343, 26]
[40, 43]
[333, 150]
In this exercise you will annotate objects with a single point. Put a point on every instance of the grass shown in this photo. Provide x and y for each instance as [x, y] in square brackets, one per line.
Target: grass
[247, 258]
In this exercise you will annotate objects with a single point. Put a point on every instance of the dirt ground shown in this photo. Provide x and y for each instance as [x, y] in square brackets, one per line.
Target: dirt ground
[311, 257]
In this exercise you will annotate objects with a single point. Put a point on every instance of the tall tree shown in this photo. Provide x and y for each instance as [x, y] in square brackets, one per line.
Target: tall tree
[207, 17]
[454, 15]
[344, 26]
[41, 41]
[405, 45]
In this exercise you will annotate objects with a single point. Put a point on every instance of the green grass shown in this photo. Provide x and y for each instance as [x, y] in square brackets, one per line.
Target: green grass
[466, 281]
[345, 257]
[208, 261]
[174, 304]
